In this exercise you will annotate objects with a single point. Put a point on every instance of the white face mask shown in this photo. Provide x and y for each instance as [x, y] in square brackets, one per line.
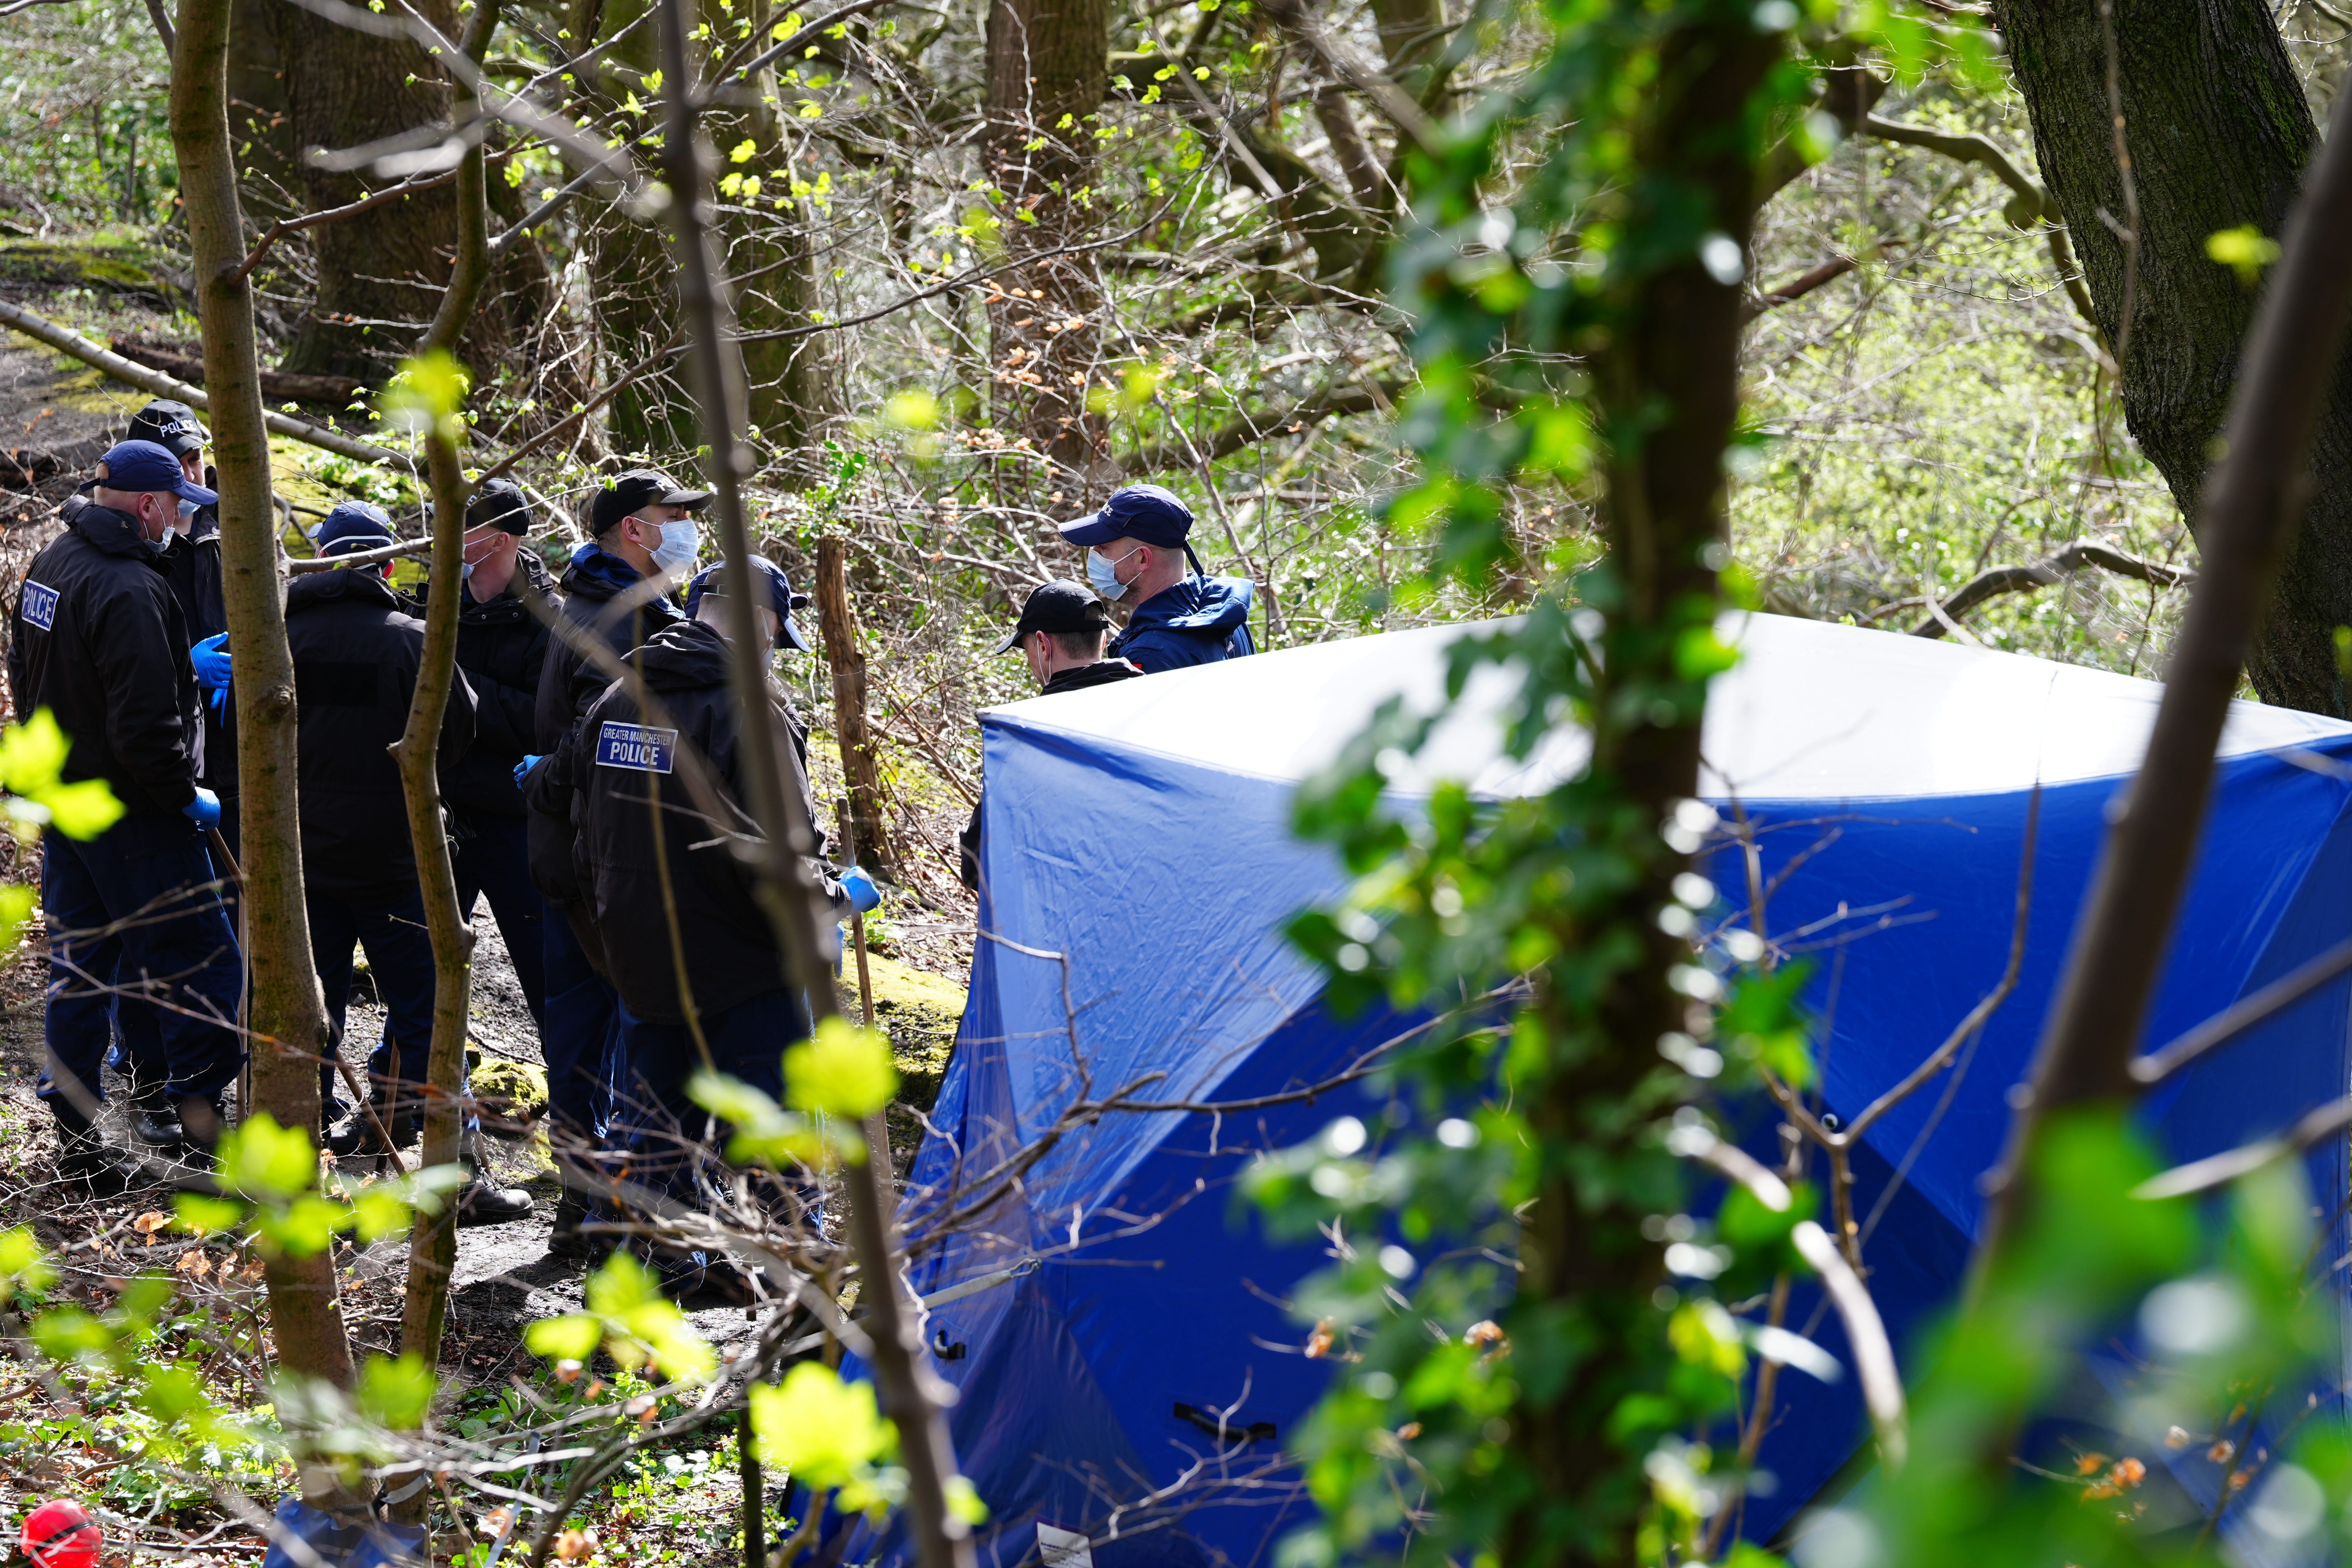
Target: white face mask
[681, 542]
[1102, 575]
[187, 507]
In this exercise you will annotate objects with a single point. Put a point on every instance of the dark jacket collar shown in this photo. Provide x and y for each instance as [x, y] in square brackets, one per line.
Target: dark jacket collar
[507, 605]
[115, 533]
[1103, 673]
[683, 656]
[339, 585]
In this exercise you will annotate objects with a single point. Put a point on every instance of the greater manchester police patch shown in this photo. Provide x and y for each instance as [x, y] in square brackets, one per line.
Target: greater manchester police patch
[637, 746]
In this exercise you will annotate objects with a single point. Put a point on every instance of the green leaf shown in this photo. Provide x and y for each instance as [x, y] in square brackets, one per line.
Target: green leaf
[571, 1338]
[32, 755]
[765, 1133]
[377, 1211]
[171, 1392]
[963, 1501]
[82, 810]
[843, 1071]
[398, 1392]
[824, 1431]
[23, 1265]
[68, 1333]
[2245, 251]
[912, 410]
[207, 1215]
[263, 1161]
[304, 1227]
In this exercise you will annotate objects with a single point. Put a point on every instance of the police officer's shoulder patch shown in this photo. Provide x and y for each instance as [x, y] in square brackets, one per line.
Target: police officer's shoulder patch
[39, 605]
[637, 746]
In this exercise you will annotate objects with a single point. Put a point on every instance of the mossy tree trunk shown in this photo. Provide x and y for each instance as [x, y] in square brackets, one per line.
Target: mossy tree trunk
[1047, 63]
[2219, 135]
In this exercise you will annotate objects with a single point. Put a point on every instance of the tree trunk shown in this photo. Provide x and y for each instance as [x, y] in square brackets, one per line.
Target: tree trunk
[2219, 134]
[1047, 61]
[433, 1245]
[909, 1394]
[858, 764]
[288, 1014]
[1667, 386]
[382, 272]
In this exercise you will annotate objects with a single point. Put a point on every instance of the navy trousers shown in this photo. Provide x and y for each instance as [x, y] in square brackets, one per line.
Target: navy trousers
[391, 927]
[138, 1053]
[137, 906]
[747, 1042]
[578, 1036]
[492, 859]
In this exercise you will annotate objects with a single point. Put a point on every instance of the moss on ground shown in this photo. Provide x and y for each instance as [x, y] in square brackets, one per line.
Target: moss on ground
[116, 265]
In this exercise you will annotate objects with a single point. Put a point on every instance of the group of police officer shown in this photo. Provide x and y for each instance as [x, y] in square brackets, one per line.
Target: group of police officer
[634, 930]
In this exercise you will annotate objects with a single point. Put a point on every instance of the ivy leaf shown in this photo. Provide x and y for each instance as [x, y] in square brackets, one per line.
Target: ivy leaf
[843, 1071]
[397, 1393]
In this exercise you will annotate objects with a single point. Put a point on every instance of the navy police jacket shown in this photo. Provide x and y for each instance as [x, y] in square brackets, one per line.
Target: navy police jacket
[1199, 620]
[619, 774]
[356, 654]
[98, 638]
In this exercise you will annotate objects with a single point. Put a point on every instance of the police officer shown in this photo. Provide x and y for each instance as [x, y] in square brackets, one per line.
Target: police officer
[356, 654]
[634, 813]
[1137, 555]
[502, 649]
[101, 641]
[1062, 633]
[643, 537]
[191, 564]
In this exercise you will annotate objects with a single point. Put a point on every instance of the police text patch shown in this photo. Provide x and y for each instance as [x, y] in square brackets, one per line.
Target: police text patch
[40, 604]
[648, 750]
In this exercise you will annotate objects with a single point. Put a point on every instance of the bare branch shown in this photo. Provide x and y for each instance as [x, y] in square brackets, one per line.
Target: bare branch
[2050, 570]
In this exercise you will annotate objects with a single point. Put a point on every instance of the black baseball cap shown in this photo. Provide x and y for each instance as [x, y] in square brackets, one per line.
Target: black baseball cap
[498, 504]
[1057, 605]
[711, 582]
[170, 424]
[632, 492]
[145, 465]
[1144, 512]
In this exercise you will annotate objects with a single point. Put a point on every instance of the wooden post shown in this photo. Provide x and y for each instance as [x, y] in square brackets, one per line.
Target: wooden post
[858, 764]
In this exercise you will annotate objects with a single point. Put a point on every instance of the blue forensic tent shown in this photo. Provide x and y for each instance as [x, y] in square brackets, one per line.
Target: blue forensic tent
[1136, 1378]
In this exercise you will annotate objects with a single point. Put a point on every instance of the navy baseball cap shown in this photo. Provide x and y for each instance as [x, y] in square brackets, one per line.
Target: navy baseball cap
[631, 492]
[712, 581]
[170, 424]
[1057, 605]
[145, 465]
[1144, 512]
[498, 504]
[352, 527]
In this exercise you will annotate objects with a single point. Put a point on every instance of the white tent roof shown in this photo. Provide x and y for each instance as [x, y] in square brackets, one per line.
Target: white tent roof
[1813, 711]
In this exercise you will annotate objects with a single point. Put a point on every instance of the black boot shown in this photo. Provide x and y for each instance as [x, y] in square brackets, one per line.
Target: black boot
[571, 1214]
[203, 1119]
[87, 1159]
[153, 1120]
[481, 1201]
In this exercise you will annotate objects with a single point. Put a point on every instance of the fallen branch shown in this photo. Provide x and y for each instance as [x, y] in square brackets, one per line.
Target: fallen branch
[65, 340]
[190, 368]
[2050, 570]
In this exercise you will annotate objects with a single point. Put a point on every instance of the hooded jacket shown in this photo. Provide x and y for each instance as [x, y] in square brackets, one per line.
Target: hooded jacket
[568, 684]
[356, 653]
[502, 649]
[98, 638]
[612, 776]
[1102, 672]
[1199, 620]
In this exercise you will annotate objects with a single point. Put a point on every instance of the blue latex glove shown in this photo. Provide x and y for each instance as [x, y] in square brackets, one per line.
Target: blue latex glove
[863, 894]
[211, 658]
[205, 810]
[522, 770]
